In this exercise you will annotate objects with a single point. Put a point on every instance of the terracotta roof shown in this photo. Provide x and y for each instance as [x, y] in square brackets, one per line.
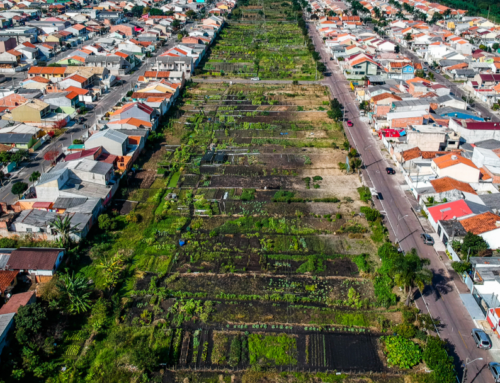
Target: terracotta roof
[81, 154]
[16, 301]
[383, 96]
[26, 258]
[39, 79]
[155, 74]
[46, 70]
[121, 54]
[481, 223]
[411, 154]
[445, 184]
[132, 121]
[77, 78]
[14, 52]
[451, 160]
[6, 278]
[140, 105]
[79, 91]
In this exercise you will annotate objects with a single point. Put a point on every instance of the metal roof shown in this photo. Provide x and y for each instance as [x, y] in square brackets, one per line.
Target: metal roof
[52, 175]
[6, 322]
[66, 203]
[110, 134]
[13, 138]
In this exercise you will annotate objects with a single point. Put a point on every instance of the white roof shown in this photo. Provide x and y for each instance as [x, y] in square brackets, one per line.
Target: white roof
[410, 114]
[20, 129]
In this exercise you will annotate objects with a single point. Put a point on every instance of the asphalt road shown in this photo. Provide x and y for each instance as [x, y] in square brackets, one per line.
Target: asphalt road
[75, 131]
[441, 299]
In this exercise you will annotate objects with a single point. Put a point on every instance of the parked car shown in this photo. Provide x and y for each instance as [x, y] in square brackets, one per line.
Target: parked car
[380, 196]
[331, 58]
[495, 370]
[255, 79]
[390, 171]
[428, 240]
[349, 123]
[481, 338]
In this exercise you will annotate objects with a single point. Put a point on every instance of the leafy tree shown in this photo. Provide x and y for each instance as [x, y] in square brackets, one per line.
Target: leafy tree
[473, 244]
[483, 47]
[144, 356]
[408, 37]
[156, 12]
[190, 13]
[137, 10]
[461, 267]
[64, 228]
[34, 176]
[19, 156]
[396, 49]
[29, 321]
[106, 223]
[401, 352]
[335, 114]
[176, 24]
[51, 156]
[438, 360]
[112, 269]
[370, 214]
[496, 46]
[409, 272]
[75, 292]
[19, 188]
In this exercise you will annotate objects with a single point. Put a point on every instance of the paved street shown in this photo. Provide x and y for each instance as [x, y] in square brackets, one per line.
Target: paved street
[441, 299]
[75, 131]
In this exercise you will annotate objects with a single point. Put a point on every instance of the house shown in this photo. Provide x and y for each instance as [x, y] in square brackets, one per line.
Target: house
[12, 101]
[117, 144]
[127, 29]
[51, 73]
[75, 80]
[474, 131]
[137, 110]
[486, 225]
[32, 111]
[457, 167]
[38, 224]
[62, 99]
[115, 64]
[130, 123]
[450, 189]
[164, 75]
[8, 280]
[35, 261]
[176, 64]
[7, 43]
[448, 211]
[17, 301]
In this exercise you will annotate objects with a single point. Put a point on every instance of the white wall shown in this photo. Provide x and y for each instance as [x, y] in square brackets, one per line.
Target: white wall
[493, 238]
[460, 172]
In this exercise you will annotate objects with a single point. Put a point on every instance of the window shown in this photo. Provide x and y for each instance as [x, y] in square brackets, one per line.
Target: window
[28, 230]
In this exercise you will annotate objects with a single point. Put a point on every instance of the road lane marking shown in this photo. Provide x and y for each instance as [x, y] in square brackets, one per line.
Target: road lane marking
[463, 340]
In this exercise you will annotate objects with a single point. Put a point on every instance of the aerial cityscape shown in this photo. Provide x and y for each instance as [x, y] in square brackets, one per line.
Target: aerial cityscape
[250, 191]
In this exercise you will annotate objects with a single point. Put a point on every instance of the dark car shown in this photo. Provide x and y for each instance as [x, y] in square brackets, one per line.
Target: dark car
[390, 171]
[481, 338]
[331, 58]
[380, 196]
[428, 240]
[495, 370]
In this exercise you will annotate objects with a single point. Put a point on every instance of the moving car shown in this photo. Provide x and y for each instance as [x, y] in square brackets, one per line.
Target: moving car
[481, 338]
[390, 171]
[495, 370]
[255, 79]
[349, 123]
[428, 240]
[331, 58]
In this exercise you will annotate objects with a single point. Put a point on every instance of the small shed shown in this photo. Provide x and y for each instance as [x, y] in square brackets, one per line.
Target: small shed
[208, 158]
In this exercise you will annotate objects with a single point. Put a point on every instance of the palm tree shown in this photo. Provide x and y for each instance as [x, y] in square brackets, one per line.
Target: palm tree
[64, 228]
[409, 273]
[75, 292]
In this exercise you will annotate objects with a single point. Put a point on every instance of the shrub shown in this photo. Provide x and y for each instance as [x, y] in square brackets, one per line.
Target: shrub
[406, 330]
[283, 196]
[133, 217]
[370, 214]
[383, 291]
[235, 351]
[272, 349]
[461, 267]
[317, 178]
[438, 360]
[401, 352]
[106, 222]
[361, 262]
[364, 194]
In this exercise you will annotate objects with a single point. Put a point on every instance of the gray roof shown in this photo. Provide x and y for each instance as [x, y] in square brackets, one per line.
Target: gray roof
[407, 103]
[29, 93]
[42, 219]
[453, 227]
[447, 97]
[465, 72]
[100, 58]
[491, 200]
[4, 257]
[451, 110]
[50, 176]
[66, 203]
[110, 134]
[6, 323]
[488, 144]
[55, 95]
[134, 132]
[6, 138]
[174, 59]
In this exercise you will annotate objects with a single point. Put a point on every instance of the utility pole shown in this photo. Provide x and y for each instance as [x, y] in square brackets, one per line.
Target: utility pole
[465, 367]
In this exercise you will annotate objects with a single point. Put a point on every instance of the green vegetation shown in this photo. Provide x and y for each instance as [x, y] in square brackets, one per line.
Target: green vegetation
[270, 350]
[401, 352]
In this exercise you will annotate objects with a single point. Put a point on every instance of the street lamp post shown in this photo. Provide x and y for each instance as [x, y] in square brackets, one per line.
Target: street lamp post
[465, 367]
[397, 226]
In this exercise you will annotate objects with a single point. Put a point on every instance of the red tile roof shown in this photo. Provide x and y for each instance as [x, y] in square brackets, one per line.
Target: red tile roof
[452, 159]
[445, 184]
[6, 279]
[16, 301]
[26, 258]
[450, 210]
[481, 223]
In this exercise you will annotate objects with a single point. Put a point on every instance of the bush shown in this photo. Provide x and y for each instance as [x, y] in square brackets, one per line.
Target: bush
[401, 352]
[371, 214]
[361, 262]
[8, 243]
[283, 196]
[406, 330]
[364, 194]
[438, 360]
[106, 223]
[461, 267]
[133, 217]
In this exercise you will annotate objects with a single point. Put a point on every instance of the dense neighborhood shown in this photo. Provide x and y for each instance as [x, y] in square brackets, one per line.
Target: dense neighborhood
[249, 191]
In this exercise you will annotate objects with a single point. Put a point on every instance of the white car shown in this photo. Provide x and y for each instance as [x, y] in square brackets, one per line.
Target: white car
[255, 79]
